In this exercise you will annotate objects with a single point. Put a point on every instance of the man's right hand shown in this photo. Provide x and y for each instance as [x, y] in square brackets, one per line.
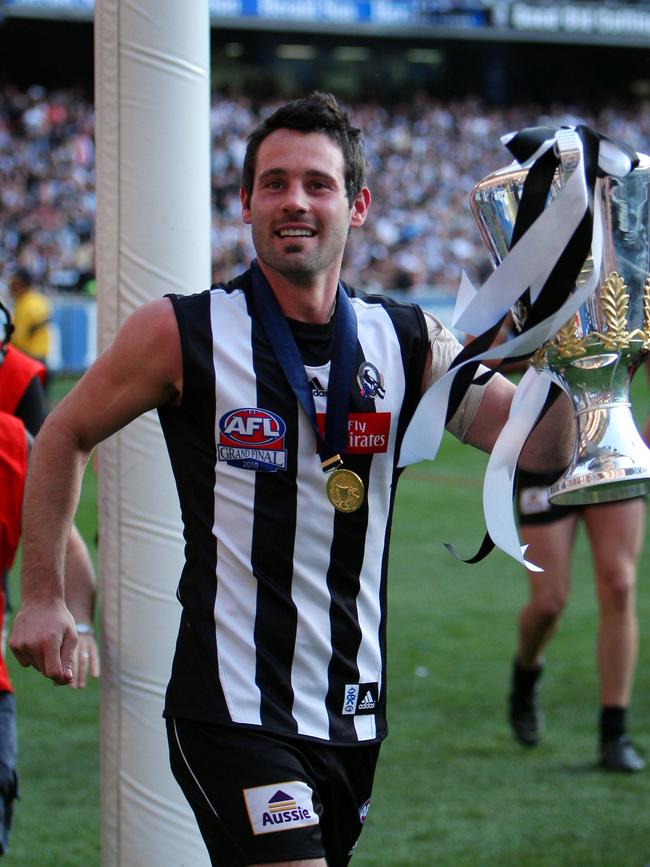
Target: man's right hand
[44, 636]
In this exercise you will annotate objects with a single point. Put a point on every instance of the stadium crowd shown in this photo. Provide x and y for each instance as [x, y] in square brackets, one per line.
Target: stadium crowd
[424, 155]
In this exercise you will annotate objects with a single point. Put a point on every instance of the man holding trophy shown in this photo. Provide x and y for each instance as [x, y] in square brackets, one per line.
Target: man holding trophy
[276, 706]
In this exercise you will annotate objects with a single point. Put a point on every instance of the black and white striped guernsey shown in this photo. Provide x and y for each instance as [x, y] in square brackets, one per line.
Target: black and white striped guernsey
[284, 599]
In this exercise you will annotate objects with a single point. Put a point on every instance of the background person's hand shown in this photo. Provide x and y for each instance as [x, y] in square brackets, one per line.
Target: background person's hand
[85, 661]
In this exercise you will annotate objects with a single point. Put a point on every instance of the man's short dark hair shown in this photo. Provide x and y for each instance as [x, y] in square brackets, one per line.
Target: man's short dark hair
[318, 112]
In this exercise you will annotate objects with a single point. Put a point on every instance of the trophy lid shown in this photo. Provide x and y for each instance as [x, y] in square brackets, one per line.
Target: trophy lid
[494, 201]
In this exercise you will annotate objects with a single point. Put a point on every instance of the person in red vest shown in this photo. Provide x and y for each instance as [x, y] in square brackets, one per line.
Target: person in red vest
[21, 394]
[13, 469]
[22, 411]
[21, 379]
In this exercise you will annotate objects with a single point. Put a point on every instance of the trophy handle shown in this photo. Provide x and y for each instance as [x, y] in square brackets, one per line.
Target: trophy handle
[567, 148]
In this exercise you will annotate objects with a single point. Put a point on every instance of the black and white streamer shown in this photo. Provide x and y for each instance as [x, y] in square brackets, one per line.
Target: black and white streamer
[549, 248]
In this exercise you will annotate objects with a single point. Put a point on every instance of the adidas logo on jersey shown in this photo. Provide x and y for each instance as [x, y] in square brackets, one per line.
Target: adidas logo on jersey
[316, 388]
[360, 698]
[368, 702]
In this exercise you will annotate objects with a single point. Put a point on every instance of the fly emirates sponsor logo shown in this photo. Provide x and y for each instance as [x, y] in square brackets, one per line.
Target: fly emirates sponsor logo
[368, 432]
[280, 807]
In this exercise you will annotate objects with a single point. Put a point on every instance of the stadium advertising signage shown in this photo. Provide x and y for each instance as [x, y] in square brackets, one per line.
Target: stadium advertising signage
[69, 6]
[508, 18]
[335, 11]
[355, 11]
[577, 21]
[587, 19]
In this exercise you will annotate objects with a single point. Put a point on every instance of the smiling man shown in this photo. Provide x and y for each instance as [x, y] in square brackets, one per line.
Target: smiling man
[284, 396]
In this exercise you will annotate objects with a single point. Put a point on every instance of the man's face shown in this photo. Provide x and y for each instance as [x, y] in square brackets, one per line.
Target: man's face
[298, 210]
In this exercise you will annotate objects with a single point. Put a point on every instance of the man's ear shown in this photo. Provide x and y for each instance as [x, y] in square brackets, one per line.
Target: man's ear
[360, 208]
[245, 208]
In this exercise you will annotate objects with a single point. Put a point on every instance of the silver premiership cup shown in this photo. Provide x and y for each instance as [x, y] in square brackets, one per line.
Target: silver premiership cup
[595, 354]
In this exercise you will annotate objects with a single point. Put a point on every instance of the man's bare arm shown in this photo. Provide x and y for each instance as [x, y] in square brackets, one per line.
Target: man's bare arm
[550, 445]
[141, 370]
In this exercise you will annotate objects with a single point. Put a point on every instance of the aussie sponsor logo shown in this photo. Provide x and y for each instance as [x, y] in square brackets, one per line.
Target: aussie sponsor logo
[368, 432]
[280, 807]
[370, 381]
[252, 439]
[360, 698]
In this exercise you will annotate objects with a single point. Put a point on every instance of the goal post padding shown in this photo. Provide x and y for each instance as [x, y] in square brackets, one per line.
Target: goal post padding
[152, 95]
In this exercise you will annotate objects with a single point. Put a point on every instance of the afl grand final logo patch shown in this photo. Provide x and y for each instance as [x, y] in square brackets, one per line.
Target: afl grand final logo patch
[252, 439]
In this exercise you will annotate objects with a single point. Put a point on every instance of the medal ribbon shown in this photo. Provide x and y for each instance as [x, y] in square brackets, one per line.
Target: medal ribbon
[342, 365]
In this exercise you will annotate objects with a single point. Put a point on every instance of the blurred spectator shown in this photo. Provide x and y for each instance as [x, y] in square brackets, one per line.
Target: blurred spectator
[47, 199]
[425, 156]
[31, 316]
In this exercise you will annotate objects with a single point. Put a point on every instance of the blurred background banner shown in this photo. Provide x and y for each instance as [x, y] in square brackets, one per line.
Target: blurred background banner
[504, 19]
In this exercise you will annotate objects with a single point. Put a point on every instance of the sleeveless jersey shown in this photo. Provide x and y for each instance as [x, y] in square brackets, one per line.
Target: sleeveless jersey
[284, 598]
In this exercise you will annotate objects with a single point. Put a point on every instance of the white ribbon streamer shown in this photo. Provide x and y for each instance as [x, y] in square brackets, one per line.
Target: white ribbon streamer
[499, 475]
[530, 261]
[424, 433]
[528, 264]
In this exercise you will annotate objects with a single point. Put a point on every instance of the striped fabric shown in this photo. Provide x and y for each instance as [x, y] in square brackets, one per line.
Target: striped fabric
[284, 619]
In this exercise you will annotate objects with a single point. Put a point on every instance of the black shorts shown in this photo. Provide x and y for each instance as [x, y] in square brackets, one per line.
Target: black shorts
[260, 797]
[533, 505]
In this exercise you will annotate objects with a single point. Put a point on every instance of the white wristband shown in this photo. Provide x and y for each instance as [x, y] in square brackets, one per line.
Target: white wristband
[84, 629]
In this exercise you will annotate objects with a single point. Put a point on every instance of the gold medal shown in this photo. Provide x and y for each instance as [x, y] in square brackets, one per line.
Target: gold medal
[345, 490]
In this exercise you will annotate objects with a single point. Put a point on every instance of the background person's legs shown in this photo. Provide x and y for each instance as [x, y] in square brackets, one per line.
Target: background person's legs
[550, 545]
[616, 536]
[8, 757]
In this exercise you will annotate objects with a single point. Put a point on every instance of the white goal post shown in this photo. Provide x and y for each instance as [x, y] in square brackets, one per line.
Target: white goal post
[152, 87]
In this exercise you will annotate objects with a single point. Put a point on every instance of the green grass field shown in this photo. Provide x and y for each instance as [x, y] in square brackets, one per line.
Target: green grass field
[453, 788]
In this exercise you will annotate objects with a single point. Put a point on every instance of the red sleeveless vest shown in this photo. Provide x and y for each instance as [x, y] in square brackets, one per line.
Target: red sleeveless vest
[16, 372]
[13, 469]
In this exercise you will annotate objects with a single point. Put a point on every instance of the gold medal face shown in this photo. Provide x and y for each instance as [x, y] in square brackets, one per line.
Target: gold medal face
[345, 490]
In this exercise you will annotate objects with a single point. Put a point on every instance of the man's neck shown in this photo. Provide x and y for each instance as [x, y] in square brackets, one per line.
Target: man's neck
[311, 301]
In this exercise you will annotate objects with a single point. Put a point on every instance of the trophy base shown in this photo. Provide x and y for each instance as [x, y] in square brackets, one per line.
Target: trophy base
[588, 488]
[612, 462]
